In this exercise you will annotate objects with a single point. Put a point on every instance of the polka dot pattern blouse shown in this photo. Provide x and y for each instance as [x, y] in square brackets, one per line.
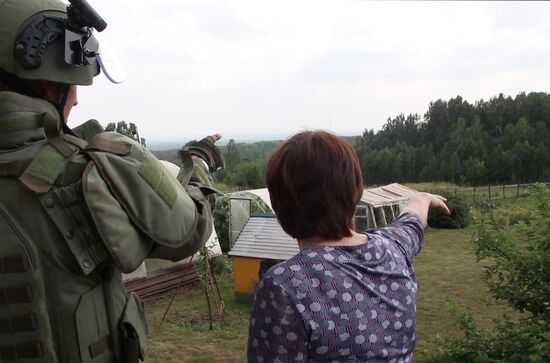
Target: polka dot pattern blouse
[342, 303]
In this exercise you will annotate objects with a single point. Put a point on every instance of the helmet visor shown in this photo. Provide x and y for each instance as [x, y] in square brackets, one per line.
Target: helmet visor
[108, 60]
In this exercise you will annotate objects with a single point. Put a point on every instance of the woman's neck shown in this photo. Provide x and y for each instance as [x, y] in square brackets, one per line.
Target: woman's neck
[353, 240]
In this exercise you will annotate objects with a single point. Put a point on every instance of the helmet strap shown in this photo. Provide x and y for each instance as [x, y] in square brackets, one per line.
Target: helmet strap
[60, 107]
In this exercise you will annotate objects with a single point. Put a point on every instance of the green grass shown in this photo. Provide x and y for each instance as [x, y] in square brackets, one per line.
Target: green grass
[446, 271]
[185, 335]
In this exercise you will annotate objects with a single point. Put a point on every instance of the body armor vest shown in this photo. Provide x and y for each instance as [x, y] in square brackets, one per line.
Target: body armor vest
[73, 215]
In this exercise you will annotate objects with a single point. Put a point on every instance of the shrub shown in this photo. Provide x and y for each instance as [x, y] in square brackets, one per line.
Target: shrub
[221, 264]
[518, 272]
[221, 222]
[519, 216]
[459, 218]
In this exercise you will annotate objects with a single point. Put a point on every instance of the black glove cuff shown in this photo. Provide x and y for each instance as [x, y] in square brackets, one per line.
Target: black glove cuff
[208, 151]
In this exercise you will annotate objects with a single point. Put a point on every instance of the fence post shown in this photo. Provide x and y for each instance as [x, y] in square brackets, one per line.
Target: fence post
[489, 191]
[504, 191]
[518, 191]
[474, 194]
[455, 192]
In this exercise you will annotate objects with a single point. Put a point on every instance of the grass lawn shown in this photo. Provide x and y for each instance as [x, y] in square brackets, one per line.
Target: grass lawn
[446, 270]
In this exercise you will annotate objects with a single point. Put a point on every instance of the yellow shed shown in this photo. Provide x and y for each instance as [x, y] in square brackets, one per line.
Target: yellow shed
[262, 240]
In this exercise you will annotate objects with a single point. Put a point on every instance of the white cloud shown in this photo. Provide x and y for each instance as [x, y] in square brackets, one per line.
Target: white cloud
[257, 67]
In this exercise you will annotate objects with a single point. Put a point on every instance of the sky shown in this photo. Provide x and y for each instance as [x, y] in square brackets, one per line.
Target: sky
[267, 69]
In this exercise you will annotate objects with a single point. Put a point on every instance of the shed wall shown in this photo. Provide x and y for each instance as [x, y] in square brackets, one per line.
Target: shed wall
[245, 274]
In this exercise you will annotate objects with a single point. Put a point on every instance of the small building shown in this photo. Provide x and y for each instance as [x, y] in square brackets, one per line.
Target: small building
[261, 243]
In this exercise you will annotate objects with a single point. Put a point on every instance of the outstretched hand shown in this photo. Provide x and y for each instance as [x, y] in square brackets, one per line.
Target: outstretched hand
[438, 202]
[206, 150]
[421, 203]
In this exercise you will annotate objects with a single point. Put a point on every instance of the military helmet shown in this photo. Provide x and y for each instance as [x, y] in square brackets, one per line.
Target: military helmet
[50, 40]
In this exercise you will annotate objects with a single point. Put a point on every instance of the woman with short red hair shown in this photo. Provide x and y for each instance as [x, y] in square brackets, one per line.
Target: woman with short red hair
[346, 296]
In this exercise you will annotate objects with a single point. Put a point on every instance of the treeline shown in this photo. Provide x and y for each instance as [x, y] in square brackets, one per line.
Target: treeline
[503, 140]
[245, 163]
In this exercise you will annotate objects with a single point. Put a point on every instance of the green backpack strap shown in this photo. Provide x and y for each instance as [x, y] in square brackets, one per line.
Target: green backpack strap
[51, 161]
[186, 172]
[43, 170]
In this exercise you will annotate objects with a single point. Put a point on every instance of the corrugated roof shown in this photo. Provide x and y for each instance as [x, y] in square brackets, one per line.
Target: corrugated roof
[387, 195]
[263, 237]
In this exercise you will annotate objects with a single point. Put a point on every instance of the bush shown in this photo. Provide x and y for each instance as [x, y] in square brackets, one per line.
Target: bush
[510, 341]
[459, 218]
[519, 216]
[221, 222]
[221, 264]
[517, 272]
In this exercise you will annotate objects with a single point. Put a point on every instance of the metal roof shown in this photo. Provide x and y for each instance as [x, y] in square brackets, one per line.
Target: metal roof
[387, 195]
[263, 237]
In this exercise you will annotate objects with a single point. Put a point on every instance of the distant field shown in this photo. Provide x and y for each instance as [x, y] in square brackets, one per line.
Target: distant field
[446, 270]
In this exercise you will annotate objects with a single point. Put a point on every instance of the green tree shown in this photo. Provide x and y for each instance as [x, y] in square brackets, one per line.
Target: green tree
[523, 162]
[248, 174]
[232, 156]
[474, 171]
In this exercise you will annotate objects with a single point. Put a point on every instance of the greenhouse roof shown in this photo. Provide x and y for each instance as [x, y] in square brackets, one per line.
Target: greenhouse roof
[387, 195]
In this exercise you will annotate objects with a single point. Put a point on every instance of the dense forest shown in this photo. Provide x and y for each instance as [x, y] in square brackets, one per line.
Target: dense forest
[502, 140]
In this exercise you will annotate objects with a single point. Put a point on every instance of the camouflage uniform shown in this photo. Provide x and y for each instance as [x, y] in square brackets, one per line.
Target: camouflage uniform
[74, 213]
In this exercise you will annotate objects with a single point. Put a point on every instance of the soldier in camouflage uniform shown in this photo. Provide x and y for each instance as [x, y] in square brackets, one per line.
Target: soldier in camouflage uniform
[78, 207]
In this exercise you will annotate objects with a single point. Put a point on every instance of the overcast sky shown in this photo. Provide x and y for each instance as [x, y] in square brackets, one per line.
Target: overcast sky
[258, 68]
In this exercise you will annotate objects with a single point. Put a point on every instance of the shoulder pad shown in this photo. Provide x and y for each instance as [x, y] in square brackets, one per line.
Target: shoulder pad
[151, 197]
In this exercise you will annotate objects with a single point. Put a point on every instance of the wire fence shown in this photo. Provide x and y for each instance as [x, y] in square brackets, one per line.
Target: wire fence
[490, 192]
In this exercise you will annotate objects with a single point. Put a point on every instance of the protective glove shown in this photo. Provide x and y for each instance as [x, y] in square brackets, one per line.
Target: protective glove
[207, 151]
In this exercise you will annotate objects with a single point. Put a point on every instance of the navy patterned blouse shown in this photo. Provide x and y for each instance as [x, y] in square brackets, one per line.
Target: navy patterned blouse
[341, 303]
